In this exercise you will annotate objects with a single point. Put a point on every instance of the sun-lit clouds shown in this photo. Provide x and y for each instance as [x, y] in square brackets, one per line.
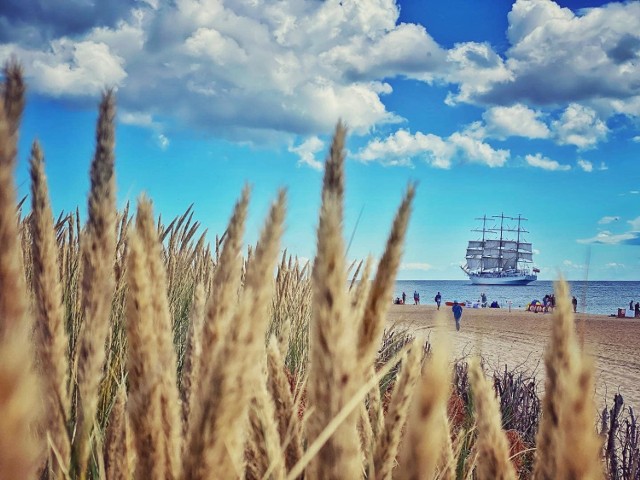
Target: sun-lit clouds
[614, 265]
[307, 151]
[606, 237]
[579, 126]
[238, 69]
[401, 147]
[571, 265]
[545, 163]
[635, 224]
[517, 120]
[608, 219]
[585, 165]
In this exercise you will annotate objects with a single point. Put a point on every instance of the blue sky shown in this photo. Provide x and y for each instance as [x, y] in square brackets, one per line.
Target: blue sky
[529, 107]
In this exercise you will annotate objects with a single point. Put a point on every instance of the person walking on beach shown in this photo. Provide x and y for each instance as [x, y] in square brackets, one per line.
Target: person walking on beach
[457, 313]
[404, 298]
[637, 310]
[438, 299]
[416, 297]
[574, 301]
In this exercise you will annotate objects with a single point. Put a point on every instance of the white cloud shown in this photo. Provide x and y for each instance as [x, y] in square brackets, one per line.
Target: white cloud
[517, 120]
[402, 146]
[579, 126]
[634, 192]
[136, 118]
[608, 219]
[636, 139]
[603, 166]
[307, 151]
[635, 224]
[585, 165]
[245, 69]
[573, 266]
[545, 163]
[615, 265]
[605, 237]
[416, 266]
[163, 141]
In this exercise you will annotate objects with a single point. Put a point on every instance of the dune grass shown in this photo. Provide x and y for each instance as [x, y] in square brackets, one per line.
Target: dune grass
[133, 349]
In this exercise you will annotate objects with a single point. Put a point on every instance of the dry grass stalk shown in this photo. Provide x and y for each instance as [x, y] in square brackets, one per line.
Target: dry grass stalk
[447, 470]
[377, 305]
[154, 408]
[266, 458]
[577, 445]
[389, 439]
[191, 368]
[19, 388]
[215, 442]
[289, 427]
[166, 360]
[367, 439]
[118, 448]
[50, 335]
[98, 249]
[332, 380]
[492, 444]
[425, 435]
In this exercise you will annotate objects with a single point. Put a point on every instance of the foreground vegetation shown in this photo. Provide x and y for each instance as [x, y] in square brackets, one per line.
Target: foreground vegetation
[132, 349]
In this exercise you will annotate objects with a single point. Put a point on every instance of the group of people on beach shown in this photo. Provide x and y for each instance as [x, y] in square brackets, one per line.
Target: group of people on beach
[403, 300]
[636, 309]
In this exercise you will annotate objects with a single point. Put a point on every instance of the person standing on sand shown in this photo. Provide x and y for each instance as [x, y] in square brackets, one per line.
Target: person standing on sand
[574, 302]
[416, 297]
[438, 299]
[404, 298]
[457, 313]
[637, 310]
[631, 305]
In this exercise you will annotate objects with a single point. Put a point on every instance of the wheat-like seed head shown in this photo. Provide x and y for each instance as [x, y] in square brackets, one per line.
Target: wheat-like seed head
[50, 335]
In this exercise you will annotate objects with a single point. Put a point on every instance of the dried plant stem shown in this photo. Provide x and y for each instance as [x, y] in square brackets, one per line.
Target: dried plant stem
[332, 380]
[424, 439]
[389, 440]
[492, 444]
[50, 334]
[98, 249]
[119, 455]
[19, 387]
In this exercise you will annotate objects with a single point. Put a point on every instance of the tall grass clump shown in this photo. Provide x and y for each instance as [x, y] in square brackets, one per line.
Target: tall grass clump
[130, 348]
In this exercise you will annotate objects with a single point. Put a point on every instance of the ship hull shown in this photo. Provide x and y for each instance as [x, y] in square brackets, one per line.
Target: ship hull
[510, 280]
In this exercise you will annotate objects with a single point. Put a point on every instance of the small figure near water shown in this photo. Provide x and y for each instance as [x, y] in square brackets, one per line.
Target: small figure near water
[404, 298]
[457, 313]
[483, 300]
[637, 310]
[574, 302]
[631, 305]
[495, 304]
[416, 298]
[438, 299]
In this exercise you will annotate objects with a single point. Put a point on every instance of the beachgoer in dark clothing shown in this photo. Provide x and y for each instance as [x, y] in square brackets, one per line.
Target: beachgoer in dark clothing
[404, 298]
[483, 299]
[637, 311]
[438, 299]
[416, 298]
[457, 314]
[574, 302]
[495, 304]
[631, 305]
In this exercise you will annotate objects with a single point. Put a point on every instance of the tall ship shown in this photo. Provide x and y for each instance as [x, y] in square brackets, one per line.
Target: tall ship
[502, 256]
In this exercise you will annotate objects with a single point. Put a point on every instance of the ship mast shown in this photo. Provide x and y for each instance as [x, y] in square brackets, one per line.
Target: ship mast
[484, 230]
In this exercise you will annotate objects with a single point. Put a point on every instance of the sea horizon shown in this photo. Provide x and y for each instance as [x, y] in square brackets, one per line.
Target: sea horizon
[602, 297]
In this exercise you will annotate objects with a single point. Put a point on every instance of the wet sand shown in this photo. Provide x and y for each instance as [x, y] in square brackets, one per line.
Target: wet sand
[518, 339]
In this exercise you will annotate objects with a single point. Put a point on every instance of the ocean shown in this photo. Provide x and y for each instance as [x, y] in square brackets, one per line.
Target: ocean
[603, 298]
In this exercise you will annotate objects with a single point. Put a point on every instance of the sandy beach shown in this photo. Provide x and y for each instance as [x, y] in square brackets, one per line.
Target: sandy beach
[518, 338]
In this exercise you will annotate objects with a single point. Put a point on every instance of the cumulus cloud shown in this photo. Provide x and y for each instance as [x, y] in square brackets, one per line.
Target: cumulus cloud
[307, 151]
[163, 141]
[545, 163]
[517, 120]
[579, 126]
[608, 219]
[402, 146]
[585, 165]
[238, 69]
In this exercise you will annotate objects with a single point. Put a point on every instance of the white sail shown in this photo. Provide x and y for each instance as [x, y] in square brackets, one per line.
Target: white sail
[492, 244]
[524, 247]
[473, 244]
[491, 252]
[526, 256]
[509, 245]
[474, 263]
[490, 263]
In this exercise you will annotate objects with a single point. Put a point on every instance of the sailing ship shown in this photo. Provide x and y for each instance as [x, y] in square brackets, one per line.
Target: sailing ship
[502, 256]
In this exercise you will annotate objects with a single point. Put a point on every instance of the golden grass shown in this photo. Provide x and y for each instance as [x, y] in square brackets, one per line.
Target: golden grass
[163, 358]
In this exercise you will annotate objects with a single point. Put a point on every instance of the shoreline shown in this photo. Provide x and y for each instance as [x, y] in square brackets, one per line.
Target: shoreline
[518, 339]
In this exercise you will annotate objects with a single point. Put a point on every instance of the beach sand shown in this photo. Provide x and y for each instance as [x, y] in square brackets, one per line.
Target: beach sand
[518, 339]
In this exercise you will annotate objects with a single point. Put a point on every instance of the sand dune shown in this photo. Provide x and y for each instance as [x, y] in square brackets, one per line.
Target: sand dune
[518, 338]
